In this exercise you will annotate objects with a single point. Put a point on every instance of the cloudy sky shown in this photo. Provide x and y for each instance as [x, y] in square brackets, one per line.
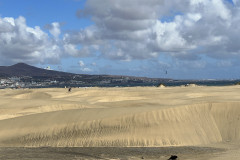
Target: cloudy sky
[190, 39]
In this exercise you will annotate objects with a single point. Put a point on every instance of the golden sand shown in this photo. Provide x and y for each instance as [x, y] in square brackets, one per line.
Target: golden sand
[120, 117]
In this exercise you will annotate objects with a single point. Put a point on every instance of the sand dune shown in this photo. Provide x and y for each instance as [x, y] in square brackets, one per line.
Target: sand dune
[140, 116]
[38, 95]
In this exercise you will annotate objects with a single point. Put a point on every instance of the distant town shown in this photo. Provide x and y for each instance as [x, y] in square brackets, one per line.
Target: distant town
[75, 81]
[25, 76]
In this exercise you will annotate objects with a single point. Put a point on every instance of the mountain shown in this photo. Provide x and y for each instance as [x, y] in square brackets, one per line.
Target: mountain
[22, 69]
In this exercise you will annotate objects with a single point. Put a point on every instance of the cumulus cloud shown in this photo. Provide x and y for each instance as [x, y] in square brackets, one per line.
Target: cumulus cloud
[18, 42]
[84, 67]
[81, 63]
[139, 29]
[21, 43]
[54, 29]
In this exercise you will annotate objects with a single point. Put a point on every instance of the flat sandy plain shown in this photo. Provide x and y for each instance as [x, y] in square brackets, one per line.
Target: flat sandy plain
[120, 123]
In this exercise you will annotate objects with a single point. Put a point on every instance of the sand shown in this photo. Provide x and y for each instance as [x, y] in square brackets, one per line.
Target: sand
[169, 119]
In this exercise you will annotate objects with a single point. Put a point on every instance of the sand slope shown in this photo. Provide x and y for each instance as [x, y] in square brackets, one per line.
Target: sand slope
[140, 116]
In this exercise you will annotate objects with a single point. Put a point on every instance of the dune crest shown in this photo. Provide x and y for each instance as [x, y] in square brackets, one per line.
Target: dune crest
[33, 95]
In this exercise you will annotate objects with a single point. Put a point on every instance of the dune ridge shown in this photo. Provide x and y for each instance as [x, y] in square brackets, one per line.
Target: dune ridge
[189, 121]
[179, 126]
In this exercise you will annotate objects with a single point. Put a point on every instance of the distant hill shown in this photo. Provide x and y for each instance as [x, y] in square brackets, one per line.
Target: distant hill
[30, 74]
[22, 69]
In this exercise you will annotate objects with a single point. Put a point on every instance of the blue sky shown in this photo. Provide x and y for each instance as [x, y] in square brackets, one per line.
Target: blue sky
[192, 39]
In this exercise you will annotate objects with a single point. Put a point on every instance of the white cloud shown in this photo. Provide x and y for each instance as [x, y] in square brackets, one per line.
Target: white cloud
[194, 17]
[126, 30]
[168, 37]
[221, 9]
[81, 63]
[18, 42]
[71, 49]
[86, 69]
[55, 29]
